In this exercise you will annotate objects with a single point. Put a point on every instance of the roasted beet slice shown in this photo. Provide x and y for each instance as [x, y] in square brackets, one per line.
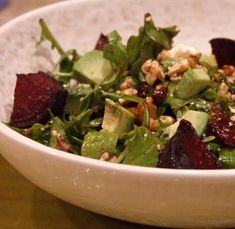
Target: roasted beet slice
[224, 51]
[102, 41]
[185, 150]
[35, 94]
[221, 127]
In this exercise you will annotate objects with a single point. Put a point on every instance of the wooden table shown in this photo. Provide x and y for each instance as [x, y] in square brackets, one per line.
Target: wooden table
[22, 204]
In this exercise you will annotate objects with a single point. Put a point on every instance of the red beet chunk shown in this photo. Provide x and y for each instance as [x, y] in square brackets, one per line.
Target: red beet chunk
[35, 93]
[221, 127]
[102, 41]
[185, 150]
[224, 50]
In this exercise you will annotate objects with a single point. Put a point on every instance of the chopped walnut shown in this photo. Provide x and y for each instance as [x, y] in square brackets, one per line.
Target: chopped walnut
[152, 108]
[153, 124]
[217, 77]
[232, 118]
[228, 70]
[104, 156]
[232, 98]
[148, 18]
[177, 70]
[153, 71]
[223, 89]
[139, 112]
[128, 91]
[193, 61]
[128, 83]
[113, 159]
[231, 79]
[60, 142]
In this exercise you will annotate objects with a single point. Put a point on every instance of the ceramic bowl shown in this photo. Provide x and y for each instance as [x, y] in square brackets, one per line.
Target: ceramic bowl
[153, 196]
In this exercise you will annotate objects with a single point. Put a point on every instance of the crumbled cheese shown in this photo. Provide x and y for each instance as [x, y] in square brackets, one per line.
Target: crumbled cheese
[179, 51]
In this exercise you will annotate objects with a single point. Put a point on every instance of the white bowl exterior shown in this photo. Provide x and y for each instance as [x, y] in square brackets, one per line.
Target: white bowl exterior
[163, 197]
[151, 196]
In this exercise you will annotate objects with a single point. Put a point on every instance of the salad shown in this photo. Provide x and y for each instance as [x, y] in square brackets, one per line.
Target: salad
[145, 103]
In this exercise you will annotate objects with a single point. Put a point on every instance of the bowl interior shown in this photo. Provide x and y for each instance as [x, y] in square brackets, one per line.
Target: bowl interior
[100, 186]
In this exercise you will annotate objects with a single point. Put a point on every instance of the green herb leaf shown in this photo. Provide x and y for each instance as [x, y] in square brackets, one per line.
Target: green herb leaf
[78, 126]
[150, 41]
[142, 148]
[116, 55]
[58, 138]
[46, 34]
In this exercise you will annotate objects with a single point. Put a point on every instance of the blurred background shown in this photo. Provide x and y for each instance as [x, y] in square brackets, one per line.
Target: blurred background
[12, 8]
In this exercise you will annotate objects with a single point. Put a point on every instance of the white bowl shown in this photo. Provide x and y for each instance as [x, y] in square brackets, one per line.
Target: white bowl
[153, 196]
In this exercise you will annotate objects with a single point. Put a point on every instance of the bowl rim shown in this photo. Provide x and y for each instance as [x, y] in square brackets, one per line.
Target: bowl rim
[37, 147]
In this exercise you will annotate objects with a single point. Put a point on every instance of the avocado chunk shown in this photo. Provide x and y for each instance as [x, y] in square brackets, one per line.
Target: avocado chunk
[117, 119]
[198, 120]
[92, 68]
[227, 157]
[97, 143]
[193, 82]
[210, 63]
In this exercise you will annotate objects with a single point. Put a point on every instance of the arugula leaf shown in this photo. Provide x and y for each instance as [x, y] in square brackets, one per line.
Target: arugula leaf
[38, 132]
[115, 39]
[58, 138]
[146, 119]
[133, 47]
[79, 99]
[78, 126]
[115, 51]
[67, 59]
[46, 34]
[116, 55]
[142, 148]
[111, 79]
[148, 43]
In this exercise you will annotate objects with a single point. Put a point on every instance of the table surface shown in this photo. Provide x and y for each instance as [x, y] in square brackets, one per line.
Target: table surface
[24, 205]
